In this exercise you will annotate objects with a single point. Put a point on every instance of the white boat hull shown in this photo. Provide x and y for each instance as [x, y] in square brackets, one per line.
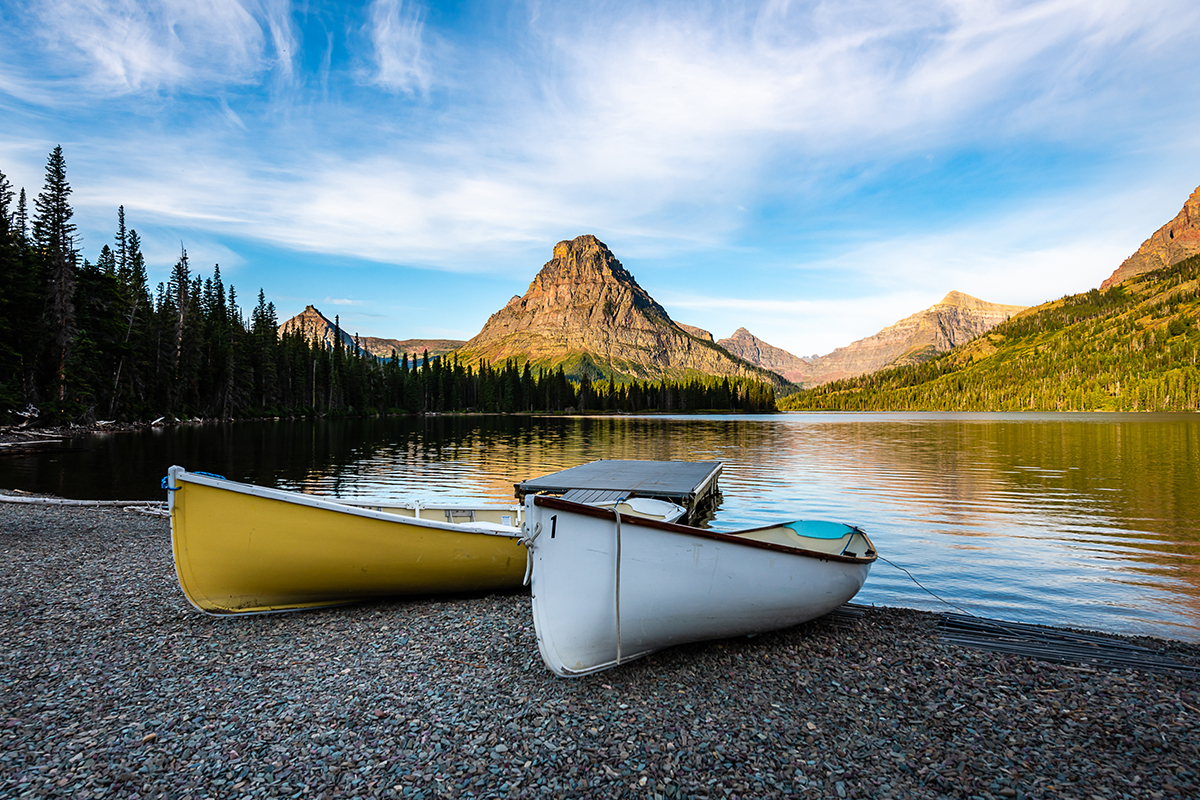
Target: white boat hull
[607, 590]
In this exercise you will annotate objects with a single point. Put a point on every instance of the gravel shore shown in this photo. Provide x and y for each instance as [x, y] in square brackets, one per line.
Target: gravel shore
[113, 686]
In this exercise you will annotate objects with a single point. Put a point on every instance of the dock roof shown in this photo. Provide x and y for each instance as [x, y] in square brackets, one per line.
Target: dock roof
[678, 481]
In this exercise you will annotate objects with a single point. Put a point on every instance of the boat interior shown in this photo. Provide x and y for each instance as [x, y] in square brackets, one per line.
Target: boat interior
[644, 507]
[816, 536]
[507, 515]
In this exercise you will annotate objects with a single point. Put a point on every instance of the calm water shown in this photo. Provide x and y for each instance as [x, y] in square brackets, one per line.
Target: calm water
[1081, 519]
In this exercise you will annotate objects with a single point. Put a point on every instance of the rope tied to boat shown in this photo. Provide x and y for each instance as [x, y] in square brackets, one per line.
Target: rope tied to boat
[527, 542]
[617, 593]
[166, 481]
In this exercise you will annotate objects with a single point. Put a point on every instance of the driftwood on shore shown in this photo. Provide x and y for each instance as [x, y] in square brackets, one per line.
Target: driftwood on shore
[150, 507]
[58, 501]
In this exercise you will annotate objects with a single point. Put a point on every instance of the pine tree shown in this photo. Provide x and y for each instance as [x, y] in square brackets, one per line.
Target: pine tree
[264, 332]
[179, 287]
[60, 317]
[174, 315]
[107, 262]
[21, 220]
[132, 374]
[53, 230]
[22, 291]
[96, 348]
[10, 275]
[122, 254]
[54, 239]
[6, 196]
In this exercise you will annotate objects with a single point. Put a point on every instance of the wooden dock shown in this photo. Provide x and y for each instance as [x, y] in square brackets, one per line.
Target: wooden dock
[1057, 645]
[691, 484]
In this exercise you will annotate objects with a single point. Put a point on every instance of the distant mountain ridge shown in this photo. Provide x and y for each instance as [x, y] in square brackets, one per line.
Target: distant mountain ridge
[745, 344]
[1170, 244]
[957, 319]
[586, 313]
[315, 326]
[1132, 347]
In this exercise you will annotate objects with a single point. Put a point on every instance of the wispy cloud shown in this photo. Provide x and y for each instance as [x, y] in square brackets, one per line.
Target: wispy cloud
[278, 21]
[650, 125]
[122, 46]
[472, 141]
[681, 95]
[232, 115]
[395, 29]
[1017, 258]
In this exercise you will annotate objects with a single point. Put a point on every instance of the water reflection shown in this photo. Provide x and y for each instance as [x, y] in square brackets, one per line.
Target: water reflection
[1077, 519]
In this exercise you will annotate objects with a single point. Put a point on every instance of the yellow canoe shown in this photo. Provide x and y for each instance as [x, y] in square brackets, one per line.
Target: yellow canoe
[246, 549]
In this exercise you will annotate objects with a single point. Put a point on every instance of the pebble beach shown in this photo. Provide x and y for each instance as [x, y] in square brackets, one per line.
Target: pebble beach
[112, 685]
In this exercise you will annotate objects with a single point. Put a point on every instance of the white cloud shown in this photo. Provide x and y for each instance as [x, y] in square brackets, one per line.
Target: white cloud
[120, 46]
[650, 127]
[231, 115]
[673, 95]
[395, 29]
[1039, 252]
[162, 249]
[278, 20]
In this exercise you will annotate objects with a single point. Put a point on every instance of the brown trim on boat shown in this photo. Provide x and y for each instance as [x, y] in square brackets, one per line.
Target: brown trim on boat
[603, 513]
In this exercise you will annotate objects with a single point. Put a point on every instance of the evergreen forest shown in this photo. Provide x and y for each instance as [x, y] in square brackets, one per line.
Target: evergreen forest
[1132, 347]
[83, 342]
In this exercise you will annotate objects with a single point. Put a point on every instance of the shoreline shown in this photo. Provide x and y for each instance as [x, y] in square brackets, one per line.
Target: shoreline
[15, 435]
[18, 434]
[115, 686]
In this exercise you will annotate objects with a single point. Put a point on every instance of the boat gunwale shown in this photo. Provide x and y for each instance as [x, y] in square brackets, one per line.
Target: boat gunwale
[673, 527]
[311, 501]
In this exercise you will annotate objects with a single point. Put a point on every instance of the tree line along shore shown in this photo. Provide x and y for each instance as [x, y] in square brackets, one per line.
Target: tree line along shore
[83, 341]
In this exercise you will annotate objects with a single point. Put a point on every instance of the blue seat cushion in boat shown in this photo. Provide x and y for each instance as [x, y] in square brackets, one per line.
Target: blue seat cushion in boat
[817, 529]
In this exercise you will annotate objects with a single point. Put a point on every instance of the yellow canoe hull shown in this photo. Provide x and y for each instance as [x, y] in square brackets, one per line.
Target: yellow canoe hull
[244, 549]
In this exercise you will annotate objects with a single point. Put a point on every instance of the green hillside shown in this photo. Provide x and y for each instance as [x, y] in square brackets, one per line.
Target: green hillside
[1133, 347]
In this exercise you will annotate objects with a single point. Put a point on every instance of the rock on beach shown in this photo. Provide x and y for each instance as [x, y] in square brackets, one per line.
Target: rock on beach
[114, 686]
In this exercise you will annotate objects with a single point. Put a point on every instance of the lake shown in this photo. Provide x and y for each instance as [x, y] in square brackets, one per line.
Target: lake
[1084, 520]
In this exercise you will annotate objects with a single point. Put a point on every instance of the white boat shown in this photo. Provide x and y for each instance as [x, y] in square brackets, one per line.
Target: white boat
[609, 588]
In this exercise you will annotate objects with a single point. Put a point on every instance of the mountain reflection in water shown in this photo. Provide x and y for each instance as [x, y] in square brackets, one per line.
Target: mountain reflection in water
[1086, 520]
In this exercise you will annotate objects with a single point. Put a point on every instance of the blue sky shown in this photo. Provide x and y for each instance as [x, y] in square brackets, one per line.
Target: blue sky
[812, 171]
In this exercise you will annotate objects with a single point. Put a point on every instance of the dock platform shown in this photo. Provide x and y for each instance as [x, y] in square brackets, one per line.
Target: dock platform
[691, 484]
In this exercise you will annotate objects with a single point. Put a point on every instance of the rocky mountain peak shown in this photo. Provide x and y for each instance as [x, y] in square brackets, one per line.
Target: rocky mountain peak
[584, 259]
[316, 327]
[745, 344]
[586, 312]
[1170, 244]
[960, 300]
[584, 271]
